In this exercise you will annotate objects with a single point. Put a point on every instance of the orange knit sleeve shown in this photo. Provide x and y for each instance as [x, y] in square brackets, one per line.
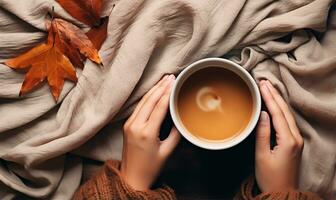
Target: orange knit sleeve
[108, 185]
[246, 193]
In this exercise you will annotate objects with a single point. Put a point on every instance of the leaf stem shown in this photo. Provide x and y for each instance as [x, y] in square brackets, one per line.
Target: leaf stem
[52, 13]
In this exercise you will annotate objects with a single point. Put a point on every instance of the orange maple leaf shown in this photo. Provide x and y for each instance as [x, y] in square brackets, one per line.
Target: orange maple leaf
[98, 35]
[86, 11]
[70, 39]
[45, 61]
[50, 60]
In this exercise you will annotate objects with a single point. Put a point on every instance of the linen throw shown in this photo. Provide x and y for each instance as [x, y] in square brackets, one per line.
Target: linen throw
[290, 42]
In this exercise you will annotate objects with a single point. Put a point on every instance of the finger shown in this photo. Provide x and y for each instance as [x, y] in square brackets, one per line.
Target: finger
[159, 113]
[263, 137]
[145, 97]
[279, 121]
[149, 105]
[169, 144]
[286, 111]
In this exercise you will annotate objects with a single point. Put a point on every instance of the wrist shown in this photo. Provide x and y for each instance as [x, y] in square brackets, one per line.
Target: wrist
[136, 182]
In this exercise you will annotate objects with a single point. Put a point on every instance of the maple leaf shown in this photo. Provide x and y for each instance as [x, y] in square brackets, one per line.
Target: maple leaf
[45, 61]
[70, 39]
[72, 53]
[98, 35]
[66, 45]
[86, 11]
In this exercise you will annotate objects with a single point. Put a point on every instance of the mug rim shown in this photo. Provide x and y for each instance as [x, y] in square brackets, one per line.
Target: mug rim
[227, 143]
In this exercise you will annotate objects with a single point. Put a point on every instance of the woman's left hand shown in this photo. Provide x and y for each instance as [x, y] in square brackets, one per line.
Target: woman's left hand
[143, 152]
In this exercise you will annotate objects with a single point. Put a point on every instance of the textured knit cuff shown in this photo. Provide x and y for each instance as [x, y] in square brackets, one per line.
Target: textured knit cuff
[108, 185]
[246, 193]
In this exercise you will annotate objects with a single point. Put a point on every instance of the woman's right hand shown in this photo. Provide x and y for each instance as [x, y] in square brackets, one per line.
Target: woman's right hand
[277, 169]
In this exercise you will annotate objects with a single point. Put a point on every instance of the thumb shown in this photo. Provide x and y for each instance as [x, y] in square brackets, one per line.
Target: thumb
[263, 146]
[169, 144]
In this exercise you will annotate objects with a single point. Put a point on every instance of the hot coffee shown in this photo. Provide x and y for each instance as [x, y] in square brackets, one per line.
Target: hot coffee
[215, 104]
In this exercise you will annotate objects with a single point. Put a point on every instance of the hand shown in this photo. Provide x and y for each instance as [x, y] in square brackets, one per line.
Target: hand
[143, 152]
[278, 168]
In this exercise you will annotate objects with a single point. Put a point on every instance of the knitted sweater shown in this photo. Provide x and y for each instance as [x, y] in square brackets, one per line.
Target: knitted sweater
[108, 185]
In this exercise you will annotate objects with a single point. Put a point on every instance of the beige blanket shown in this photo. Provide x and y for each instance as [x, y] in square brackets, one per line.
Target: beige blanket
[41, 143]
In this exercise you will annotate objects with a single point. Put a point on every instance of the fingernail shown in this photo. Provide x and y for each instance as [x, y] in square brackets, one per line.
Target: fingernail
[263, 116]
[264, 86]
[262, 82]
[165, 77]
[171, 77]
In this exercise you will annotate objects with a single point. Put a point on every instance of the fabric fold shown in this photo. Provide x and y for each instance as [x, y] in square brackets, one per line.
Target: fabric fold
[288, 42]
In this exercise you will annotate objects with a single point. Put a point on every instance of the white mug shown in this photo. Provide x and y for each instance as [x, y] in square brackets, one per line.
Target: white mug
[228, 65]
